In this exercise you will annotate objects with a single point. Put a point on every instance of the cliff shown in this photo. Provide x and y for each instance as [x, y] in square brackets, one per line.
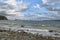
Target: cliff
[3, 18]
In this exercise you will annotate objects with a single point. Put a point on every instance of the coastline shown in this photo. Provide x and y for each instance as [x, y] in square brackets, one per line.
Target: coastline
[43, 32]
[11, 35]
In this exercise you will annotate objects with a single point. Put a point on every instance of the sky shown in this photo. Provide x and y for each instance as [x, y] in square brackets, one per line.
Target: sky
[30, 9]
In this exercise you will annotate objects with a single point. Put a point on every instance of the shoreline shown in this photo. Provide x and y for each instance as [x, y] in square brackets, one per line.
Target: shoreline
[11, 35]
[43, 32]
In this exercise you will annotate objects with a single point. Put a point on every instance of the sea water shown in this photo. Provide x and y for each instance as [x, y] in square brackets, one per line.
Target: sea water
[16, 24]
[31, 24]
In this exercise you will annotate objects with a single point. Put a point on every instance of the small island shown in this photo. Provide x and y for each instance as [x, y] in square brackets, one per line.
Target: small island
[3, 17]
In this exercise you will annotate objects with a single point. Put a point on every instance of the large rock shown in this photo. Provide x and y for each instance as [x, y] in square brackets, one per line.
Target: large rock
[3, 18]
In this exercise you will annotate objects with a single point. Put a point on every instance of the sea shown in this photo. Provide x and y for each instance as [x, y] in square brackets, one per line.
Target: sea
[46, 24]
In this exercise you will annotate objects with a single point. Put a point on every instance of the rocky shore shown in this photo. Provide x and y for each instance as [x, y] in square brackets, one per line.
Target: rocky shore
[11, 35]
[7, 33]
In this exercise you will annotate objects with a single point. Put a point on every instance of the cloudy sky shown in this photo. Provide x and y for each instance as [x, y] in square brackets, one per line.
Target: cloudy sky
[30, 9]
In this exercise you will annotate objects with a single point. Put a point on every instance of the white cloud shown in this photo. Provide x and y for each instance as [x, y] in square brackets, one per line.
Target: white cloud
[52, 4]
[16, 9]
[10, 12]
[23, 7]
[11, 17]
[37, 6]
[12, 2]
[53, 7]
[19, 14]
[16, 6]
[20, 2]
[44, 1]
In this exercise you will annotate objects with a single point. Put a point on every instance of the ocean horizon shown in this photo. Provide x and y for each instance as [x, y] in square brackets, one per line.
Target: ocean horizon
[50, 24]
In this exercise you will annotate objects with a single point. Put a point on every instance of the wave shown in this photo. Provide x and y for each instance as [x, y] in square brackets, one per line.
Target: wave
[43, 32]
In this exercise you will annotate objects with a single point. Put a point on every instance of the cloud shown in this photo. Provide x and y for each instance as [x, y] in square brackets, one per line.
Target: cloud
[12, 2]
[11, 8]
[18, 6]
[11, 17]
[20, 1]
[44, 1]
[37, 6]
[36, 16]
[53, 7]
[20, 14]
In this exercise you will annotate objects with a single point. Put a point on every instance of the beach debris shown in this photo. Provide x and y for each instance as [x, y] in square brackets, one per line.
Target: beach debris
[51, 31]
[23, 35]
[56, 34]
[44, 32]
[22, 25]
[20, 30]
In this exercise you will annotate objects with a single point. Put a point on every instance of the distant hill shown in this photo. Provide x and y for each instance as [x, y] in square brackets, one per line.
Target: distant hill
[35, 20]
[3, 18]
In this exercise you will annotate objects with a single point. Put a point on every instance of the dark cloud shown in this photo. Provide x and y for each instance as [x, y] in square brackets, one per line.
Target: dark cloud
[3, 13]
[5, 6]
